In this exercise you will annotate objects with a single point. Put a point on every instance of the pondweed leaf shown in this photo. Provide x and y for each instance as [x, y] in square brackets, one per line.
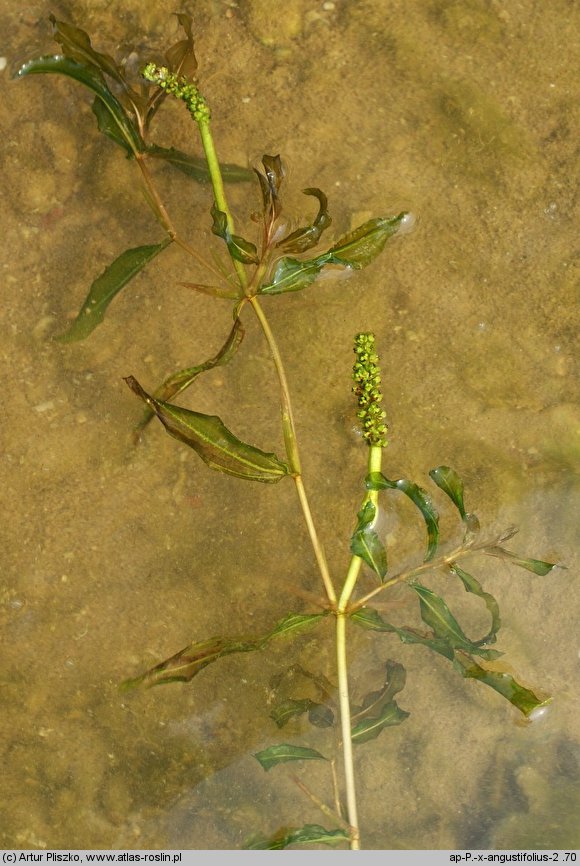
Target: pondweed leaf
[370, 618]
[91, 78]
[284, 752]
[213, 442]
[196, 166]
[295, 622]
[302, 836]
[450, 483]
[239, 248]
[182, 379]
[319, 715]
[524, 699]
[472, 585]
[377, 481]
[355, 250]
[358, 248]
[76, 44]
[291, 275]
[379, 710]
[366, 543]
[536, 566]
[181, 56]
[369, 729]
[305, 238]
[109, 284]
[436, 614]
[188, 662]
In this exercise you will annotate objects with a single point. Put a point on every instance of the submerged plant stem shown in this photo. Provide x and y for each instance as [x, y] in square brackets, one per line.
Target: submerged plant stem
[345, 724]
[292, 450]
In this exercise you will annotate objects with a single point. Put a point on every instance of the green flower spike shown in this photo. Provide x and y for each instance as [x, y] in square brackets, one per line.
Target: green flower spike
[180, 88]
[367, 378]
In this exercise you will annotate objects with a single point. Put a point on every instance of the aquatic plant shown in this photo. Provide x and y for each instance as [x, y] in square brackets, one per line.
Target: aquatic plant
[277, 262]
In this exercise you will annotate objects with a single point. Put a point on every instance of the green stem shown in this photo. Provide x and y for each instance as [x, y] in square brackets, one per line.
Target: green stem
[345, 724]
[218, 188]
[292, 450]
[374, 465]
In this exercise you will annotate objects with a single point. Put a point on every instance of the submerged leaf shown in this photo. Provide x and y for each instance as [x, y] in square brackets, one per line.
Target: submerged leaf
[76, 44]
[304, 835]
[188, 662]
[284, 752]
[91, 78]
[379, 710]
[519, 696]
[291, 275]
[109, 284]
[366, 543]
[358, 248]
[239, 248]
[536, 566]
[305, 238]
[181, 56]
[435, 613]
[472, 585]
[370, 618]
[377, 481]
[196, 166]
[296, 622]
[450, 483]
[368, 729]
[319, 715]
[213, 442]
[178, 382]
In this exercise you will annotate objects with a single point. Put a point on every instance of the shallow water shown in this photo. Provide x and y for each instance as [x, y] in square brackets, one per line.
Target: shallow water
[113, 558]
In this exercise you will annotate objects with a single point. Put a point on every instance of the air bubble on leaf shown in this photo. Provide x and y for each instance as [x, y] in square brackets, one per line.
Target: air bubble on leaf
[407, 224]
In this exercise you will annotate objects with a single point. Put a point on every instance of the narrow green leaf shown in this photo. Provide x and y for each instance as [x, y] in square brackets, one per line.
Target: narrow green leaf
[379, 710]
[358, 248]
[369, 729]
[377, 481]
[450, 483]
[180, 381]
[296, 622]
[319, 715]
[109, 284]
[109, 127]
[76, 44]
[181, 56]
[370, 618]
[436, 614]
[304, 835]
[188, 662]
[520, 697]
[305, 238]
[213, 442]
[196, 166]
[472, 585]
[536, 566]
[291, 275]
[282, 712]
[366, 543]
[92, 79]
[239, 248]
[284, 752]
